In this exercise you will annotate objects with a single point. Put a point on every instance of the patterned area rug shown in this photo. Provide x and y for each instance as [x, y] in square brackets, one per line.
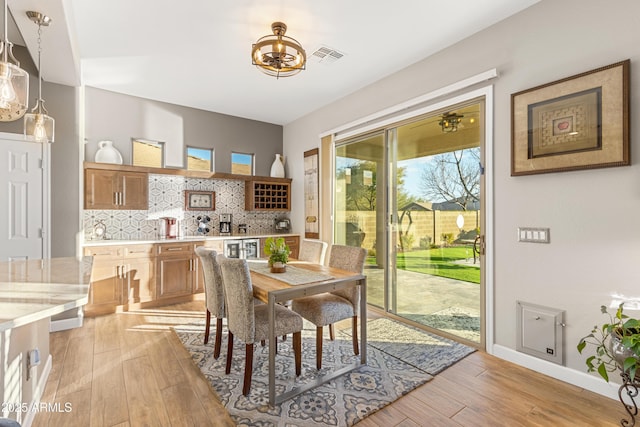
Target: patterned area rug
[458, 321]
[341, 402]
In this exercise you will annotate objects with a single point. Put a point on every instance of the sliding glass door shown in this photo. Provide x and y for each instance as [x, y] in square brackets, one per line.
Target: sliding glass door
[411, 195]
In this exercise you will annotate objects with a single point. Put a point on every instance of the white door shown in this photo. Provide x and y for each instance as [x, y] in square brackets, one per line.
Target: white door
[22, 183]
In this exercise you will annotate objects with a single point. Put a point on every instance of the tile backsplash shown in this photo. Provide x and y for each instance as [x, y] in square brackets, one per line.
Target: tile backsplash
[166, 199]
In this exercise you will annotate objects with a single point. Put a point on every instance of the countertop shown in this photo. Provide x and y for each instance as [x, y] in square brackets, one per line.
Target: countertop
[89, 243]
[35, 289]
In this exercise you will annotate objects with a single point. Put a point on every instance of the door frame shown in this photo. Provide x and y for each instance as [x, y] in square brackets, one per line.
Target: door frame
[383, 120]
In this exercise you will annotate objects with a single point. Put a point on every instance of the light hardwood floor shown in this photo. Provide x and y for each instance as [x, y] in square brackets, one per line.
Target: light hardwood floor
[129, 369]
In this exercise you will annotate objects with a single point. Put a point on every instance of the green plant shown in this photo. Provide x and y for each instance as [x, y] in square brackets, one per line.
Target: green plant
[620, 328]
[447, 238]
[406, 241]
[425, 242]
[277, 250]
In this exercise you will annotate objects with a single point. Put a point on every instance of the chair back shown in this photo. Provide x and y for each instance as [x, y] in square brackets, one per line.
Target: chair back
[312, 251]
[213, 287]
[349, 258]
[239, 297]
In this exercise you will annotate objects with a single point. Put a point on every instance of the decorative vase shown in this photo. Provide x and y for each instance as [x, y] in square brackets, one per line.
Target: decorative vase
[108, 153]
[278, 267]
[277, 168]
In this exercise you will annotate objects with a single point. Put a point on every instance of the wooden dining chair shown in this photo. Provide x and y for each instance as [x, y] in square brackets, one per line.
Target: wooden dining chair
[250, 322]
[331, 307]
[312, 251]
[214, 294]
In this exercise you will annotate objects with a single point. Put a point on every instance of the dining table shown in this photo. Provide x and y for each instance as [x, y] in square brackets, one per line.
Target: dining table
[301, 279]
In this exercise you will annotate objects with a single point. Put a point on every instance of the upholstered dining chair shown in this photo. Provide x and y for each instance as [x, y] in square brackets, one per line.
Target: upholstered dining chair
[250, 322]
[214, 294]
[331, 307]
[312, 251]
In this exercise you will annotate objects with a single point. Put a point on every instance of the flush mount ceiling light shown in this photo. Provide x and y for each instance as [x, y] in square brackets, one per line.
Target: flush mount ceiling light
[14, 81]
[278, 55]
[450, 121]
[38, 123]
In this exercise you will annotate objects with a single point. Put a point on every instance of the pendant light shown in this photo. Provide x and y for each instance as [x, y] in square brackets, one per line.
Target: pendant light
[14, 81]
[38, 123]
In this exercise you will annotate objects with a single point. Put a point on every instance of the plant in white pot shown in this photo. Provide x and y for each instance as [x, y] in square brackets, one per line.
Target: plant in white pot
[278, 253]
[617, 345]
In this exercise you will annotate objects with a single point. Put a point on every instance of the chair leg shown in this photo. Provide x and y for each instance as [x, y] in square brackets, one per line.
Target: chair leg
[318, 347]
[218, 343]
[248, 368]
[332, 337]
[354, 333]
[206, 327]
[229, 353]
[297, 351]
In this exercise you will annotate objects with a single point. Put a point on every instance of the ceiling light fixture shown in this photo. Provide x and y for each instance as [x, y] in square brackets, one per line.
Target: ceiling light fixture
[38, 123]
[14, 81]
[278, 55]
[450, 121]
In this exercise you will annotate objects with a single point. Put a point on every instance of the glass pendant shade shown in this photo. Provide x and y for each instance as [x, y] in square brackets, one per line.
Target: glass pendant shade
[14, 91]
[278, 55]
[40, 126]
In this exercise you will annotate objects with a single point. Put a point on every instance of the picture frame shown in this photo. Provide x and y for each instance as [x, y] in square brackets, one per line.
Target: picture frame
[311, 195]
[579, 122]
[199, 200]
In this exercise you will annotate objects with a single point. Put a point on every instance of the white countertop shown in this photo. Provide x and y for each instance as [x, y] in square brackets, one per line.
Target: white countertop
[35, 289]
[88, 243]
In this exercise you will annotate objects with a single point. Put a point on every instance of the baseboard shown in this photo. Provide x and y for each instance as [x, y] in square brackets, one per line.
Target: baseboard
[42, 382]
[562, 373]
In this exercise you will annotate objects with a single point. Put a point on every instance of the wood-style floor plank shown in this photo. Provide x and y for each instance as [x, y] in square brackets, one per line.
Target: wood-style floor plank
[130, 369]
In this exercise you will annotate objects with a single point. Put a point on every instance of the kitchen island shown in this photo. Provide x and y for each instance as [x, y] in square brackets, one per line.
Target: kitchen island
[31, 292]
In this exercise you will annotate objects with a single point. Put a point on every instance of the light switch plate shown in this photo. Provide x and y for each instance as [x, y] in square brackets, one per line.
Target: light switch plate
[533, 235]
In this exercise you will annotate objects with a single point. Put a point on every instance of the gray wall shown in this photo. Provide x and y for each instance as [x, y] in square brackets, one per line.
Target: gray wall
[593, 255]
[116, 117]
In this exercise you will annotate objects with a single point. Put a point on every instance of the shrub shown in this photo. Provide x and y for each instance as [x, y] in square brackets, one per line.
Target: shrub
[425, 242]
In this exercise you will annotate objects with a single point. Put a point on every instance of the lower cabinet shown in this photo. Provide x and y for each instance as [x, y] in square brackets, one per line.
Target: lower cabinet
[127, 277]
[177, 269]
[122, 275]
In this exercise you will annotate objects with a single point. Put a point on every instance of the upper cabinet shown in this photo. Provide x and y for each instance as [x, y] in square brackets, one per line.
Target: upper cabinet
[271, 195]
[112, 189]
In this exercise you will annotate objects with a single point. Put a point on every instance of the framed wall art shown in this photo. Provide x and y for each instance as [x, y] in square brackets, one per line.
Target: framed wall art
[580, 122]
[311, 195]
[199, 200]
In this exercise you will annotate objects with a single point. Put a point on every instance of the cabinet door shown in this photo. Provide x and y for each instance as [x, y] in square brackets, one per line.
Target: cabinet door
[175, 276]
[141, 280]
[134, 190]
[105, 293]
[294, 245]
[100, 187]
[198, 275]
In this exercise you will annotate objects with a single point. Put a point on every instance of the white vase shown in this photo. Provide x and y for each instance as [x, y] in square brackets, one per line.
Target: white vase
[277, 168]
[108, 153]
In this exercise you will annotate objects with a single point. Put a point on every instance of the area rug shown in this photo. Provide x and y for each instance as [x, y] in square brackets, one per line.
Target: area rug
[341, 402]
[408, 344]
[459, 321]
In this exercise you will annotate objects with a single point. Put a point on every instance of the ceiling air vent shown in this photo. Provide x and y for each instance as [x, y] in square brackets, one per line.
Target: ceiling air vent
[326, 54]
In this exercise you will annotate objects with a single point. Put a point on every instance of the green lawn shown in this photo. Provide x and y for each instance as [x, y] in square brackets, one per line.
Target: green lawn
[439, 262]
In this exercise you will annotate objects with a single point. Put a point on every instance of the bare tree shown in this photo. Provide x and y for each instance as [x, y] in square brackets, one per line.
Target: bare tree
[453, 177]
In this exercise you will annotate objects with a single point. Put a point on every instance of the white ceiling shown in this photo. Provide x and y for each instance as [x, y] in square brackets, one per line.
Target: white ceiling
[197, 52]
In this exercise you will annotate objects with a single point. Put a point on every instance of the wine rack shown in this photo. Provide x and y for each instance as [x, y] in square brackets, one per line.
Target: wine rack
[267, 196]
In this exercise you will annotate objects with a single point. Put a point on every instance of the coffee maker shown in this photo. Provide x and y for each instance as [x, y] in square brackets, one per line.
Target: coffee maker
[225, 224]
[168, 228]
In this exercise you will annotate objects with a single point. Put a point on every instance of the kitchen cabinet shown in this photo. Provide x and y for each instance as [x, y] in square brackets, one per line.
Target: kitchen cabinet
[114, 189]
[122, 277]
[178, 270]
[268, 195]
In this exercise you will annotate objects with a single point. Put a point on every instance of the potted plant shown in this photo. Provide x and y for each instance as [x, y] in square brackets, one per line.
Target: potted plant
[617, 345]
[278, 253]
